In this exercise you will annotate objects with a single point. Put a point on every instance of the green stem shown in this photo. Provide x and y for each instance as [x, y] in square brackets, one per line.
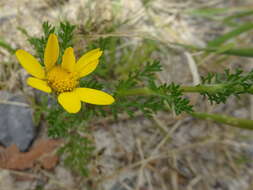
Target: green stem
[233, 121]
[137, 91]
[212, 88]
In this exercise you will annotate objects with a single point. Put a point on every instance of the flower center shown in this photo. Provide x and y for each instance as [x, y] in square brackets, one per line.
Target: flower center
[61, 80]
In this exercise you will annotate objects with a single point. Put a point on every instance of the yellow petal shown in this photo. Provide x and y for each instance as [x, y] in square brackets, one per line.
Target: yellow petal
[30, 64]
[89, 68]
[39, 84]
[88, 62]
[70, 101]
[51, 51]
[93, 96]
[68, 60]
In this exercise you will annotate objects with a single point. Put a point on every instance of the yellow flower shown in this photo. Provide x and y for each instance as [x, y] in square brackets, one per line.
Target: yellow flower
[64, 79]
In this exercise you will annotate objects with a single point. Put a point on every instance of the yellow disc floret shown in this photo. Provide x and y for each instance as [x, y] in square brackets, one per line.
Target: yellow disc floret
[61, 80]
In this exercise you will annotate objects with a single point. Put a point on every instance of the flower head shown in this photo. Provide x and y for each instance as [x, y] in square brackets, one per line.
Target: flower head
[63, 79]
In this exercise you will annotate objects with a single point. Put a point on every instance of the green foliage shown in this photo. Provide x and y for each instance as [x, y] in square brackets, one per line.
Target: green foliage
[90, 83]
[77, 152]
[135, 79]
[73, 128]
[172, 95]
[78, 148]
[239, 27]
[146, 2]
[129, 71]
[139, 77]
[230, 35]
[232, 121]
[39, 43]
[207, 12]
[223, 50]
[124, 68]
[162, 97]
[233, 19]
[65, 34]
[220, 14]
[119, 56]
[60, 122]
[242, 159]
[224, 85]
[6, 46]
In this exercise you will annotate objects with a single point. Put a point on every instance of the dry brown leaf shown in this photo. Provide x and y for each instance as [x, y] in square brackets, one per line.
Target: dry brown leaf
[43, 153]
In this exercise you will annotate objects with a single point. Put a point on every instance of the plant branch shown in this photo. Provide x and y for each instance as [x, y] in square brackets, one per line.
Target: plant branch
[209, 88]
[233, 121]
